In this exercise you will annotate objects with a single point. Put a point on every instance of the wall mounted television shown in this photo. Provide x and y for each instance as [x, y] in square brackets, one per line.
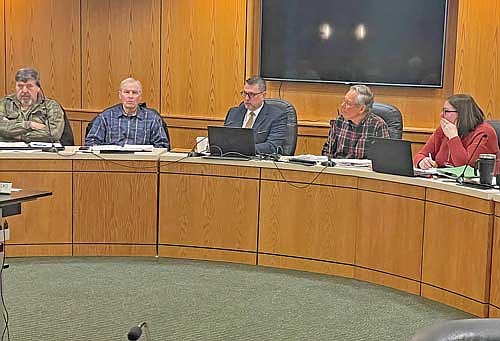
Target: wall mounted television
[383, 42]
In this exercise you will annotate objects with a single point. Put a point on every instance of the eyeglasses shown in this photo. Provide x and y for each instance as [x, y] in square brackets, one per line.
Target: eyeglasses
[250, 94]
[448, 110]
[349, 104]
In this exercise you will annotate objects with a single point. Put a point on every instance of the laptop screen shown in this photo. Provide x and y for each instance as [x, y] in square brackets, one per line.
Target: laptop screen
[231, 141]
[390, 156]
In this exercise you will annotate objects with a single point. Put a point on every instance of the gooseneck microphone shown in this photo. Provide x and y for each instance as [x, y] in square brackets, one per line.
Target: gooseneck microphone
[192, 152]
[136, 332]
[460, 178]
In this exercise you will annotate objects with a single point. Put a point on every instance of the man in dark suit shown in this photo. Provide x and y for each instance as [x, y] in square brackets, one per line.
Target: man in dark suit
[269, 123]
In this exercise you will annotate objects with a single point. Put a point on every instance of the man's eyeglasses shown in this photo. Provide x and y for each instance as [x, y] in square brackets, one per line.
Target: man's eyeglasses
[448, 110]
[349, 104]
[250, 94]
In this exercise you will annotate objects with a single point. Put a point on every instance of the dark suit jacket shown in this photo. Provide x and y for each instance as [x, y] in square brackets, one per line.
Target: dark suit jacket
[269, 129]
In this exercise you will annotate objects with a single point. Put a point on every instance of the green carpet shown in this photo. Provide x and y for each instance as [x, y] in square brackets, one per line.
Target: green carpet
[87, 298]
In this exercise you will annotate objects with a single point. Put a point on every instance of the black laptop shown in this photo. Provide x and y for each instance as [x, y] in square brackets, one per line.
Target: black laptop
[231, 142]
[390, 156]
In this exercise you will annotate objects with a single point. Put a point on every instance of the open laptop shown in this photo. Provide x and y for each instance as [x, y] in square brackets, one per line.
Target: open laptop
[390, 156]
[231, 142]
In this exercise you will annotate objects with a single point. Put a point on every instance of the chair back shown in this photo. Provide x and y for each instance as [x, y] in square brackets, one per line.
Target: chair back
[67, 137]
[496, 125]
[392, 116]
[291, 114]
[469, 329]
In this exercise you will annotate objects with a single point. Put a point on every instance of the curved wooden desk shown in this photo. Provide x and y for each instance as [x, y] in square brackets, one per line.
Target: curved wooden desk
[422, 236]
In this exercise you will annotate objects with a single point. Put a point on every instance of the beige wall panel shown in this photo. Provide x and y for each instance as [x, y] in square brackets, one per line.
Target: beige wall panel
[392, 281]
[454, 300]
[477, 58]
[390, 233]
[203, 56]
[46, 220]
[321, 234]
[45, 34]
[114, 208]
[120, 39]
[113, 250]
[208, 254]
[39, 250]
[214, 212]
[457, 250]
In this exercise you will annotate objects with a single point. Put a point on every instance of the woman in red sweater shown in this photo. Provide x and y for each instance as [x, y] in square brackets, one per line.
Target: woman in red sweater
[461, 136]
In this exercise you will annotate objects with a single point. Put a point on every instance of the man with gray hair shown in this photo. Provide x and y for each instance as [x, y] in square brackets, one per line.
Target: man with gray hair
[129, 122]
[28, 115]
[354, 125]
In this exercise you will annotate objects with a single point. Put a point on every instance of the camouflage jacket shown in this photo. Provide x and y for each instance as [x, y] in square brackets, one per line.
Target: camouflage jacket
[15, 123]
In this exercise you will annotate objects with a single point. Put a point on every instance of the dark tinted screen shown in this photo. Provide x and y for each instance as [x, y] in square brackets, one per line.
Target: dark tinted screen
[397, 42]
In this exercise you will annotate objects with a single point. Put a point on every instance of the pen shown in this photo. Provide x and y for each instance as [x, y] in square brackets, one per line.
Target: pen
[430, 156]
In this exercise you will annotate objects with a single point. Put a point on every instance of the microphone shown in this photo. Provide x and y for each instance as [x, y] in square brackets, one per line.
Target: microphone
[329, 162]
[52, 148]
[136, 332]
[193, 153]
[460, 179]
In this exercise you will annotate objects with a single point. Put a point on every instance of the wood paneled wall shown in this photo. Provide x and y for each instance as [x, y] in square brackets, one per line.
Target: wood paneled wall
[192, 57]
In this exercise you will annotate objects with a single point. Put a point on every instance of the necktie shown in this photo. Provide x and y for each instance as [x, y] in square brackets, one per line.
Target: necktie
[250, 120]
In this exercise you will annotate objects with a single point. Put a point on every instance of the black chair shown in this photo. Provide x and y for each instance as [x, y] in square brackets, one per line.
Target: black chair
[291, 113]
[392, 116]
[67, 137]
[470, 329]
[496, 126]
[142, 105]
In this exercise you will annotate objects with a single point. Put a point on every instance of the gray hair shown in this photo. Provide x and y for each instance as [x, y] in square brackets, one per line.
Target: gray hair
[28, 74]
[129, 81]
[261, 83]
[364, 96]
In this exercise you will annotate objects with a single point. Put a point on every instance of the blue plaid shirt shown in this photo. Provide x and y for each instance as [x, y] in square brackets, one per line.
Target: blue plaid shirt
[112, 126]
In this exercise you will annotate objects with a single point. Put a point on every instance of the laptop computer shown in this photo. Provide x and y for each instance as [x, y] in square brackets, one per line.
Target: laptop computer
[390, 156]
[231, 142]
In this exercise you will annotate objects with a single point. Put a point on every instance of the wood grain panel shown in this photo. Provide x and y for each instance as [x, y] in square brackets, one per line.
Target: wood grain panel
[477, 58]
[460, 200]
[309, 265]
[3, 89]
[46, 220]
[210, 169]
[495, 265]
[114, 208]
[203, 56]
[494, 312]
[76, 127]
[45, 34]
[123, 166]
[388, 187]
[208, 212]
[308, 177]
[454, 300]
[51, 250]
[390, 233]
[208, 254]
[380, 278]
[113, 250]
[120, 39]
[15, 165]
[457, 250]
[185, 137]
[322, 233]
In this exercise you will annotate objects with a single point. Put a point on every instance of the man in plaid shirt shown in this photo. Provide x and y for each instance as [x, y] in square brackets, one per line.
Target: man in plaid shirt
[128, 122]
[352, 128]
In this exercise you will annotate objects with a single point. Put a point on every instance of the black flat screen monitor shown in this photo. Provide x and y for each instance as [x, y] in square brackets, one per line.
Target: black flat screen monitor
[386, 42]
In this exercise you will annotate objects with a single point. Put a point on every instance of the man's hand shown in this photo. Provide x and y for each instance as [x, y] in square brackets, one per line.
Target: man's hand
[36, 125]
[449, 129]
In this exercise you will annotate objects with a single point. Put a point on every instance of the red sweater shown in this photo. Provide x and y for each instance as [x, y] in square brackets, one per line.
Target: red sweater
[458, 150]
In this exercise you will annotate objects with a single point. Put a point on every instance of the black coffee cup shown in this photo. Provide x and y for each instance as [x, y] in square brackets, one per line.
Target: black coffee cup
[486, 166]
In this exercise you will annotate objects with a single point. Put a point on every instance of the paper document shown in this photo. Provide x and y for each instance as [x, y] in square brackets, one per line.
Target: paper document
[13, 145]
[457, 171]
[44, 145]
[124, 148]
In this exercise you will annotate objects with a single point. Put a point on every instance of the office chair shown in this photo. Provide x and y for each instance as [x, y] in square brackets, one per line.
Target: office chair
[67, 137]
[392, 116]
[463, 330]
[291, 143]
[496, 125]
